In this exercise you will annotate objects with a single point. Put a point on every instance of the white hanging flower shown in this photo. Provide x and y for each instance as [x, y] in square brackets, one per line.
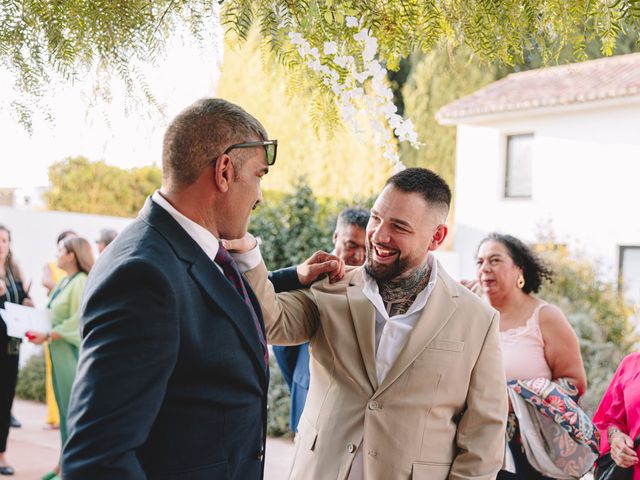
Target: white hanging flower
[330, 48]
[360, 76]
[362, 35]
[389, 109]
[376, 102]
[394, 120]
[314, 65]
[296, 38]
[376, 70]
[343, 60]
[406, 131]
[370, 49]
[352, 22]
[326, 71]
[390, 153]
[356, 93]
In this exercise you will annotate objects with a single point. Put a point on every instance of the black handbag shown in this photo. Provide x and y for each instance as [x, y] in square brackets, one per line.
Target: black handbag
[606, 468]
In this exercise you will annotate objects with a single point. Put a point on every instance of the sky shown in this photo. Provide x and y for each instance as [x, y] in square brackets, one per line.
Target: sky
[106, 131]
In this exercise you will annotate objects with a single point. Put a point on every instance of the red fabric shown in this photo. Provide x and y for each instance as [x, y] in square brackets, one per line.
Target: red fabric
[620, 405]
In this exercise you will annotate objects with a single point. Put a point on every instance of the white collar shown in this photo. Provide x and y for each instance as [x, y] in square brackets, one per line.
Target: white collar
[203, 237]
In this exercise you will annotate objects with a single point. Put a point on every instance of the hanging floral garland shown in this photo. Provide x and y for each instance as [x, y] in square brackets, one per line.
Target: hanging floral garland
[364, 90]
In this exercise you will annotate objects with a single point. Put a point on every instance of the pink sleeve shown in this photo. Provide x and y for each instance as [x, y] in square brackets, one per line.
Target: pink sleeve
[611, 410]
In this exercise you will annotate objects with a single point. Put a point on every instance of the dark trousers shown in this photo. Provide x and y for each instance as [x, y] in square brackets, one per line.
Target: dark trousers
[524, 470]
[9, 355]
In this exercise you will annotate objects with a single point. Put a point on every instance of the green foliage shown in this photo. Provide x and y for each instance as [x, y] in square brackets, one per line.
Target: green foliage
[597, 312]
[278, 401]
[67, 38]
[43, 41]
[31, 380]
[494, 30]
[79, 185]
[293, 228]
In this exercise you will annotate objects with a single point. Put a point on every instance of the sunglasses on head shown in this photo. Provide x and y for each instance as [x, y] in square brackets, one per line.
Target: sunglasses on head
[270, 148]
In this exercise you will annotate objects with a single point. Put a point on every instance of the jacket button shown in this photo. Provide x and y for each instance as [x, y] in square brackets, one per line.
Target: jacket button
[374, 405]
[351, 448]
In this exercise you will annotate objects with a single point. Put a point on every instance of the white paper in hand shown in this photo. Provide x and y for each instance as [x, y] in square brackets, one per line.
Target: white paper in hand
[20, 319]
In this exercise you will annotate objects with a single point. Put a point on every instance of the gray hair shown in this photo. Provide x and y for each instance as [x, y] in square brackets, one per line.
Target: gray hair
[358, 217]
[199, 134]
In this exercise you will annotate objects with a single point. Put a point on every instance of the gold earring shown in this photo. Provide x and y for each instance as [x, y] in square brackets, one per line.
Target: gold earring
[520, 282]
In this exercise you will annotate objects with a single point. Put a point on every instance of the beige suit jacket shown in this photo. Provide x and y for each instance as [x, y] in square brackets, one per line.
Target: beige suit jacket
[439, 414]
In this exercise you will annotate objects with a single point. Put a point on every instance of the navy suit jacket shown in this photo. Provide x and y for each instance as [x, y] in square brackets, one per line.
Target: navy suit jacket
[171, 380]
[293, 361]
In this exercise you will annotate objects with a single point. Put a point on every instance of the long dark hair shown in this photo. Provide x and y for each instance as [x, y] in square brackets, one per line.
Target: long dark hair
[534, 270]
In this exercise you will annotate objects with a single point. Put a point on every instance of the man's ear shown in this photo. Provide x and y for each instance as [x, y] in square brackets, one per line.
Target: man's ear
[439, 236]
[223, 173]
[335, 237]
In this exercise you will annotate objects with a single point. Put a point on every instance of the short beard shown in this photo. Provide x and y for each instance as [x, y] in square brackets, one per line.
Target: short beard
[384, 272]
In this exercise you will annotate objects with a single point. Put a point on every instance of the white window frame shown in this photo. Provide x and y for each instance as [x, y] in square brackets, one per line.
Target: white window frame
[505, 180]
[621, 250]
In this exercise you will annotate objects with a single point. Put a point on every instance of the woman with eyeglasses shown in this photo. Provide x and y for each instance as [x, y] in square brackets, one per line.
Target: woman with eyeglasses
[12, 289]
[76, 259]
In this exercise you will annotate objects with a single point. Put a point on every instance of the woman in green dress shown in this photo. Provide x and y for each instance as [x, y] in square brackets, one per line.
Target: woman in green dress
[76, 259]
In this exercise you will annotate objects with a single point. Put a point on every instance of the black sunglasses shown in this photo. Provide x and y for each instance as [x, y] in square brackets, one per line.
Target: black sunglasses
[270, 148]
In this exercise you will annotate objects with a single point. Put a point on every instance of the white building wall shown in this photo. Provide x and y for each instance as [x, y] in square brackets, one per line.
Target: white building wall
[586, 182]
[33, 243]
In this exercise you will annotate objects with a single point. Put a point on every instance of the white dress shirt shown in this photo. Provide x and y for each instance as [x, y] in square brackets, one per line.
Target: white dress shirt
[203, 237]
[392, 334]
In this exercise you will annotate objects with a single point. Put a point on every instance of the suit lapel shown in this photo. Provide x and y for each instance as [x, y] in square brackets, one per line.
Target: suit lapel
[364, 321]
[216, 286]
[210, 279]
[435, 316]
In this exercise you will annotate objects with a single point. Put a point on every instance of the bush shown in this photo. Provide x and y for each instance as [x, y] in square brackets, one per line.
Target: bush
[31, 379]
[293, 226]
[278, 401]
[598, 313]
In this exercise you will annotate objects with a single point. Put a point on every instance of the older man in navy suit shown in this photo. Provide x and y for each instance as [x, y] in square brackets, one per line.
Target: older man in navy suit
[173, 375]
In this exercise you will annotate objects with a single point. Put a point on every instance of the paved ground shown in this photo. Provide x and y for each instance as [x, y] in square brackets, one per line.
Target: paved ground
[32, 451]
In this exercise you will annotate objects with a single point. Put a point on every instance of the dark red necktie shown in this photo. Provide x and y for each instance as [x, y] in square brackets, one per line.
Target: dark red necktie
[231, 271]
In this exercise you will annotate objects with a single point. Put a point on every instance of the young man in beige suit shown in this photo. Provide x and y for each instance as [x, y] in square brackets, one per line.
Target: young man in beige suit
[407, 379]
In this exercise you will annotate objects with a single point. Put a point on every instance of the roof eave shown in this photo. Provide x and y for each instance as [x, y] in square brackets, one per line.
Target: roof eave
[488, 117]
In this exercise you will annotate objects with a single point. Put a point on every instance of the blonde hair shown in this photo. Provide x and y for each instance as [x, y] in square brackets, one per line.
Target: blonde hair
[81, 250]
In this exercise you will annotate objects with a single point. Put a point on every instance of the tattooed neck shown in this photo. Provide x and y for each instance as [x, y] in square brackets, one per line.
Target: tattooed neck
[398, 295]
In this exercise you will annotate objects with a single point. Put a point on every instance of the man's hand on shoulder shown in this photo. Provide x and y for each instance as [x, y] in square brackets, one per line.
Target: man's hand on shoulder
[318, 264]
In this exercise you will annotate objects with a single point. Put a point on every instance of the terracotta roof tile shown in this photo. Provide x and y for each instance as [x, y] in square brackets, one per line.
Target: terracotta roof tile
[589, 81]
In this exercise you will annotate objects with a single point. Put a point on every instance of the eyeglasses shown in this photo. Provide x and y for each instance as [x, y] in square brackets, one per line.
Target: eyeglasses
[270, 148]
